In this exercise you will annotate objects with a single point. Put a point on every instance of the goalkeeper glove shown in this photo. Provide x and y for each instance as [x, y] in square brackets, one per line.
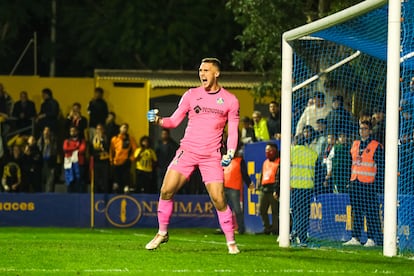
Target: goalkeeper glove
[152, 115]
[225, 161]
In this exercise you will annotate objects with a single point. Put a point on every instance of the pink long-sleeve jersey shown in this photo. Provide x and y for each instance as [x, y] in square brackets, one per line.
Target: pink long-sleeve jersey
[207, 117]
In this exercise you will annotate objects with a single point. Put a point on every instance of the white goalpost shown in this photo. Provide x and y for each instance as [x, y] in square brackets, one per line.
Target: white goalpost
[392, 111]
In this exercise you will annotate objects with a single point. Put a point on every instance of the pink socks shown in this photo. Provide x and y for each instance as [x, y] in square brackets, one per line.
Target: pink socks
[165, 209]
[226, 222]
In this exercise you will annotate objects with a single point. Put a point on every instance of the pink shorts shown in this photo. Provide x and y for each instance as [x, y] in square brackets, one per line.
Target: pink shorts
[210, 167]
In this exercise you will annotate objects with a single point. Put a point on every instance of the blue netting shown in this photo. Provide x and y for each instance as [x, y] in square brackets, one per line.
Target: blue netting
[362, 85]
[367, 33]
[406, 145]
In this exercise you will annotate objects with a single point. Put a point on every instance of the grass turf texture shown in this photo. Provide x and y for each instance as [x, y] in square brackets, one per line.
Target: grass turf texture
[73, 251]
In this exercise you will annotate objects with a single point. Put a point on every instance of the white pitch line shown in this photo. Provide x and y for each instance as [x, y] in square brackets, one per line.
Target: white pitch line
[57, 270]
[188, 240]
[184, 270]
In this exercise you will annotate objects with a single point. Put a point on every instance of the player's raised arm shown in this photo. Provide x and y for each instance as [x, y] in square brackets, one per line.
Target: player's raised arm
[175, 119]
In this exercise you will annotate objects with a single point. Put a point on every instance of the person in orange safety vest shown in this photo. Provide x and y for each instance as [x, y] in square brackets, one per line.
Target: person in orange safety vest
[270, 188]
[234, 176]
[367, 176]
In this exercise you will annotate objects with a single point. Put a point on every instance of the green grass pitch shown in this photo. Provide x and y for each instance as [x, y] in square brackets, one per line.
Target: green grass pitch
[74, 251]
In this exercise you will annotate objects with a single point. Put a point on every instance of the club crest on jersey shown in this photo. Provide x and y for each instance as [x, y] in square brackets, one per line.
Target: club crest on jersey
[197, 109]
[220, 101]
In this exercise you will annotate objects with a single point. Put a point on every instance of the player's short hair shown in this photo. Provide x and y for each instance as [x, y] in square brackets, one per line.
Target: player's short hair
[215, 61]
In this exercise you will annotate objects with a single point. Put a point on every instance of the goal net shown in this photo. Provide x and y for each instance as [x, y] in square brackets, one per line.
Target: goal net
[337, 153]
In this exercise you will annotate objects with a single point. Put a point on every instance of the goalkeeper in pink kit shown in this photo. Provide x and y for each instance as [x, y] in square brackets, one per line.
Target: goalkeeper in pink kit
[208, 107]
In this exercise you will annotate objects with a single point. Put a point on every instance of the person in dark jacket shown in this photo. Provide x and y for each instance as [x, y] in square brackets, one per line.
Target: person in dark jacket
[111, 127]
[339, 119]
[24, 111]
[165, 151]
[31, 167]
[47, 145]
[49, 111]
[273, 122]
[98, 111]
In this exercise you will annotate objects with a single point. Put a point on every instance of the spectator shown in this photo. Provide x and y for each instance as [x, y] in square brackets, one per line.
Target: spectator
[260, 126]
[100, 154]
[121, 154]
[12, 176]
[24, 111]
[74, 149]
[408, 96]
[47, 145]
[273, 122]
[18, 139]
[111, 127]
[165, 152]
[247, 132]
[303, 161]
[321, 136]
[309, 138]
[146, 159]
[49, 111]
[339, 164]
[378, 122]
[313, 112]
[367, 176]
[75, 118]
[406, 169]
[98, 111]
[6, 106]
[406, 120]
[339, 119]
[324, 181]
[269, 189]
[234, 176]
[31, 167]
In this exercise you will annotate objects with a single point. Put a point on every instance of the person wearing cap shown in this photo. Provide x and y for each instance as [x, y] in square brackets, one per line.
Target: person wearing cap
[339, 119]
[313, 112]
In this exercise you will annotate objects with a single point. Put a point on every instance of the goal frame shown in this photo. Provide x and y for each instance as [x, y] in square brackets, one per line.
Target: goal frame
[392, 114]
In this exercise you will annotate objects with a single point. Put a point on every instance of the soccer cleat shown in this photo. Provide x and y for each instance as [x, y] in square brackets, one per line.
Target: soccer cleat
[156, 241]
[352, 241]
[233, 248]
[369, 243]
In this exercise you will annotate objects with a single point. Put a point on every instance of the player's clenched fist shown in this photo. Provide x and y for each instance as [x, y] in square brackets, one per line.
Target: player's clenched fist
[225, 161]
[152, 115]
